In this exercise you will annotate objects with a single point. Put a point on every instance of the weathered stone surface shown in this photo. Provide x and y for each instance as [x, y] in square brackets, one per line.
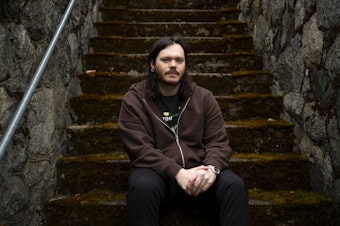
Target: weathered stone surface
[289, 72]
[14, 200]
[322, 81]
[337, 106]
[28, 176]
[328, 14]
[294, 103]
[333, 57]
[334, 142]
[314, 124]
[312, 42]
[6, 106]
[302, 51]
[4, 75]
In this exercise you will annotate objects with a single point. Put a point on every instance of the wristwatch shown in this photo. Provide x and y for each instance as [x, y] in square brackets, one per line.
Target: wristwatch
[214, 169]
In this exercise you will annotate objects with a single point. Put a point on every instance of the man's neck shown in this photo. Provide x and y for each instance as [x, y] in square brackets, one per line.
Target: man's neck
[168, 90]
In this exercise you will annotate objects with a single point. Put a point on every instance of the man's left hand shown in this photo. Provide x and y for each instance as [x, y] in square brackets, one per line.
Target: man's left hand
[204, 179]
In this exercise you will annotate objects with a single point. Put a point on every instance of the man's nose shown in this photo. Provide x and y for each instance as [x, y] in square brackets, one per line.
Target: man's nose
[173, 63]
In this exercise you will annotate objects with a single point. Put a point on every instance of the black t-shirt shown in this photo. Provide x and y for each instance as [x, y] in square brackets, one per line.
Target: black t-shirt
[169, 107]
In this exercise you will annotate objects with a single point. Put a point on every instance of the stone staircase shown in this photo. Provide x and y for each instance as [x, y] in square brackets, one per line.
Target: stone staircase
[92, 175]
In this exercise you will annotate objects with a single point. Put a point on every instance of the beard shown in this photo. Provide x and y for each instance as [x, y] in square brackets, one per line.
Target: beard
[162, 80]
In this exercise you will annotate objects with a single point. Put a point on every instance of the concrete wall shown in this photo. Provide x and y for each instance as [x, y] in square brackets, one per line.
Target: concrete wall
[300, 44]
[27, 170]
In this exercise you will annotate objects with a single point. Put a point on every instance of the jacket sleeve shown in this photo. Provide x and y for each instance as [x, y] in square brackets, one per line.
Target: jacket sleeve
[138, 140]
[216, 141]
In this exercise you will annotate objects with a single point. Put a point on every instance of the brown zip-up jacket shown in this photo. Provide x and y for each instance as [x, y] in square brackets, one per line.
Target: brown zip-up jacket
[200, 139]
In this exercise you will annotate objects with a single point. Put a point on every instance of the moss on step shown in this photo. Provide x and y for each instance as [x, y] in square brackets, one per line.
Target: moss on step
[229, 9]
[236, 36]
[249, 72]
[96, 109]
[260, 136]
[116, 156]
[289, 198]
[92, 198]
[239, 73]
[272, 171]
[273, 208]
[230, 43]
[94, 208]
[95, 158]
[230, 22]
[172, 4]
[106, 82]
[149, 29]
[271, 156]
[92, 108]
[240, 96]
[89, 139]
[244, 106]
[289, 208]
[259, 123]
[87, 172]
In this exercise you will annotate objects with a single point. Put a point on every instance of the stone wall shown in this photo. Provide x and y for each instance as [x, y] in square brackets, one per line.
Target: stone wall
[27, 170]
[300, 44]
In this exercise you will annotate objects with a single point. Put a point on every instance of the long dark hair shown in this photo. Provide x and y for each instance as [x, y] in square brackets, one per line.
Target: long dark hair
[151, 79]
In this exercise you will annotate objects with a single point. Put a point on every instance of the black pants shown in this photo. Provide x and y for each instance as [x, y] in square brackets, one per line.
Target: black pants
[149, 193]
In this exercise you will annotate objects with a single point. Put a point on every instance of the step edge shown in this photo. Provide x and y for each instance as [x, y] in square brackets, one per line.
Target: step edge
[250, 124]
[122, 157]
[187, 38]
[235, 53]
[221, 9]
[274, 198]
[230, 97]
[224, 22]
[233, 74]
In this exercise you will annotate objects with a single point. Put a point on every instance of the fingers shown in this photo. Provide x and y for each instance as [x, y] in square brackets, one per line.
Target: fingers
[186, 180]
[196, 180]
[204, 179]
[199, 185]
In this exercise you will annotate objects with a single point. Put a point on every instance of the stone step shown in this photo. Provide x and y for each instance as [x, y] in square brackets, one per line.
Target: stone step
[191, 29]
[274, 208]
[248, 136]
[168, 15]
[100, 109]
[198, 62]
[261, 135]
[84, 173]
[102, 83]
[171, 4]
[118, 44]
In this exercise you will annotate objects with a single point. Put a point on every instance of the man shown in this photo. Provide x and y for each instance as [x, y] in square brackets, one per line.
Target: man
[177, 142]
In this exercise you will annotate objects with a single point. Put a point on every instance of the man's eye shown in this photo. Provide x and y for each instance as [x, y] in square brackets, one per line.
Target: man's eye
[179, 61]
[165, 60]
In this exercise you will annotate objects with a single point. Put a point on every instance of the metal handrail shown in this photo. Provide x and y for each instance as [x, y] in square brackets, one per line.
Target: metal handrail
[7, 137]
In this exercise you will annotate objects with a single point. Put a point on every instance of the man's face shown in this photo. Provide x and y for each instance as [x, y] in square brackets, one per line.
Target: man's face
[170, 65]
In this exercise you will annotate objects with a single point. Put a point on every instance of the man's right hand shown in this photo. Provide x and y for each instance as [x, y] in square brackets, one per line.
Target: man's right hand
[195, 180]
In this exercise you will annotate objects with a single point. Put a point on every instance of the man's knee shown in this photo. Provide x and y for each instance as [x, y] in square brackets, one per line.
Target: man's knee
[228, 180]
[145, 181]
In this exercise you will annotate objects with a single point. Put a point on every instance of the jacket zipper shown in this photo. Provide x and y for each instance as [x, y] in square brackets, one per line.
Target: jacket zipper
[174, 132]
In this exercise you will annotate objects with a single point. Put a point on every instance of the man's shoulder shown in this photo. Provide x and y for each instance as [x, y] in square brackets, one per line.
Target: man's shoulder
[201, 90]
[138, 87]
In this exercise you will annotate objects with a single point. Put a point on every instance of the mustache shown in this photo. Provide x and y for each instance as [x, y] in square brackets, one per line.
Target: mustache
[172, 72]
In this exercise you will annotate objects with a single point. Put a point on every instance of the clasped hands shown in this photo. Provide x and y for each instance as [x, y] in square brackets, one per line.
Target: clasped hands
[195, 180]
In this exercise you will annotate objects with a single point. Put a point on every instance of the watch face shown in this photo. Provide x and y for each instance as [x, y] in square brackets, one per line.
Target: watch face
[217, 170]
